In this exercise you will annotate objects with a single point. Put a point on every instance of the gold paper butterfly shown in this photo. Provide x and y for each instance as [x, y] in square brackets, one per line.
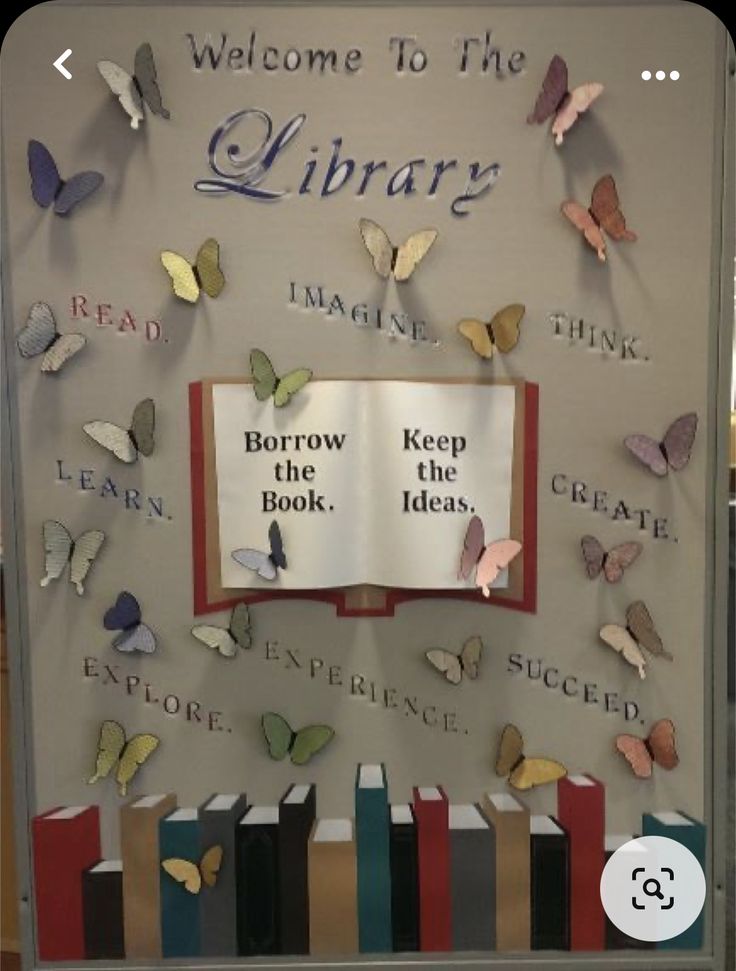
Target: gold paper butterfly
[128, 754]
[501, 334]
[193, 875]
[522, 772]
[397, 261]
[188, 281]
[454, 666]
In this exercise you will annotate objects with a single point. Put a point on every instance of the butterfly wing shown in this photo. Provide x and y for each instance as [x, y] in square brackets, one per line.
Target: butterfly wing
[648, 451]
[411, 253]
[109, 747]
[45, 178]
[536, 772]
[276, 543]
[210, 865]
[57, 546]
[661, 743]
[554, 89]
[678, 440]
[124, 613]
[593, 554]
[113, 438]
[278, 735]
[183, 281]
[621, 641]
[505, 326]
[289, 385]
[80, 187]
[138, 750]
[510, 750]
[470, 657]
[141, 638]
[473, 545]
[379, 246]
[240, 626]
[39, 331]
[446, 663]
[619, 559]
[263, 374]
[260, 563]
[641, 625]
[495, 557]
[635, 752]
[142, 426]
[309, 741]
[123, 87]
[63, 349]
[578, 101]
[207, 262]
[184, 872]
[85, 551]
[582, 220]
[607, 212]
[216, 638]
[479, 335]
[146, 78]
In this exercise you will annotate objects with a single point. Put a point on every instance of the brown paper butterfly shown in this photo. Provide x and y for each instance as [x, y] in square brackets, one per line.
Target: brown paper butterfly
[639, 632]
[658, 746]
[555, 99]
[611, 563]
[604, 213]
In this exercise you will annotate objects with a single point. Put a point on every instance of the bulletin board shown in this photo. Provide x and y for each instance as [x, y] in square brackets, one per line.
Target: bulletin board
[418, 121]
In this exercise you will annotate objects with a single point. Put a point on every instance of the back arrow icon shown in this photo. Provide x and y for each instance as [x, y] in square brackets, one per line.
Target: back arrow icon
[59, 63]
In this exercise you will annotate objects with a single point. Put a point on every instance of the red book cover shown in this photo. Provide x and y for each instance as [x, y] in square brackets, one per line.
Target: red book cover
[65, 842]
[433, 850]
[581, 810]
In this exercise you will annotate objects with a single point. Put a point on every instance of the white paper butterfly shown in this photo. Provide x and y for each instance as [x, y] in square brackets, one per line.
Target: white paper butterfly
[40, 336]
[226, 640]
[61, 549]
[266, 565]
[132, 91]
[126, 444]
[397, 261]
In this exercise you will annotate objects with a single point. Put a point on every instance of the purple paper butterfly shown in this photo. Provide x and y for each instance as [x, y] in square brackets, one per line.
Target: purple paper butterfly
[673, 452]
[125, 616]
[47, 186]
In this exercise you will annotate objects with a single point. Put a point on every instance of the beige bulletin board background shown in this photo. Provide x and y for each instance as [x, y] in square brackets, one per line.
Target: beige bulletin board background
[663, 143]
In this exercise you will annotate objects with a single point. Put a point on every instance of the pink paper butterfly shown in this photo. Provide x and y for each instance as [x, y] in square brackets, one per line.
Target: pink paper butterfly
[555, 99]
[488, 561]
[673, 452]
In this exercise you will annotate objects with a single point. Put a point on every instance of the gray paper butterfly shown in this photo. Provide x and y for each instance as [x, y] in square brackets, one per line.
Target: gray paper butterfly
[40, 336]
[133, 91]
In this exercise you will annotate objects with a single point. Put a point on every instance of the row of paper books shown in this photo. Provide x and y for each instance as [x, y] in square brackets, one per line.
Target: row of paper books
[430, 876]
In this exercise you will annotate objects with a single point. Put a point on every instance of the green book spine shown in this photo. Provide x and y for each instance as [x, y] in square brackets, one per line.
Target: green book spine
[372, 834]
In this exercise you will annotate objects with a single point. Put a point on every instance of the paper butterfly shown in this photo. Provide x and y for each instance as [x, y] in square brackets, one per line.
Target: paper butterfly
[522, 772]
[193, 875]
[612, 563]
[604, 213]
[227, 640]
[658, 746]
[47, 186]
[125, 616]
[127, 444]
[501, 334]
[639, 632]
[40, 336]
[188, 281]
[397, 261]
[673, 452]
[61, 549]
[266, 565]
[131, 92]
[555, 99]
[487, 561]
[454, 666]
[301, 745]
[114, 749]
[266, 384]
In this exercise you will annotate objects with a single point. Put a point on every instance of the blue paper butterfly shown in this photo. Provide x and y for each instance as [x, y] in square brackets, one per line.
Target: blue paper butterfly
[47, 185]
[125, 616]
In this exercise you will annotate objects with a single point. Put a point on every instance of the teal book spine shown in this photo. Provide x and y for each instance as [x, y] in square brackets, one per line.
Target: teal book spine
[179, 837]
[372, 834]
[692, 834]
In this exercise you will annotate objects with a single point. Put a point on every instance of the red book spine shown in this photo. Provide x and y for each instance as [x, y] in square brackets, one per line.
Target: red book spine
[433, 851]
[581, 810]
[63, 847]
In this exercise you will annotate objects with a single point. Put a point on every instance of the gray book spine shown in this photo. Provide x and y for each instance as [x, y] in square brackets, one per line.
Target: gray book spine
[218, 904]
[473, 889]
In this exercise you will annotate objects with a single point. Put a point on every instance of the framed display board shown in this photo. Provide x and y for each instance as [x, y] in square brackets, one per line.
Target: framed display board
[364, 481]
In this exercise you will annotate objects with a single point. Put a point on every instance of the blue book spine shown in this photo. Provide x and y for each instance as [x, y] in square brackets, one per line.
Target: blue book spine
[179, 837]
[372, 834]
[691, 834]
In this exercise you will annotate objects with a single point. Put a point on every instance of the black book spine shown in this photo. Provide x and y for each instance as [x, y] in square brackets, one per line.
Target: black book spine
[295, 825]
[618, 940]
[258, 889]
[550, 892]
[102, 907]
[404, 887]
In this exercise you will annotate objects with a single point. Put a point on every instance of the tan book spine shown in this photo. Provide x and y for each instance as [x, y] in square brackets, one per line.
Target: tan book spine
[333, 893]
[513, 899]
[141, 876]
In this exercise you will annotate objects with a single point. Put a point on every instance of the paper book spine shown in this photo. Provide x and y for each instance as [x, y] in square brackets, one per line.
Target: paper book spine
[333, 898]
[433, 845]
[513, 890]
[404, 887]
[62, 850]
[139, 851]
[218, 904]
[258, 888]
[295, 825]
[582, 814]
[694, 838]
[550, 892]
[618, 940]
[180, 936]
[472, 881]
[102, 901]
[374, 869]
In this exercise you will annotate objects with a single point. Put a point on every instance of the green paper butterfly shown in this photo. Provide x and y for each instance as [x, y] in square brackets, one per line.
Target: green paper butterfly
[266, 384]
[301, 745]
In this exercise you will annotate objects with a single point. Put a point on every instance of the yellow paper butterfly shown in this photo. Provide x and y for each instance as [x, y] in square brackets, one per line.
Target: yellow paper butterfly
[524, 773]
[188, 281]
[114, 749]
[501, 334]
[193, 875]
[397, 261]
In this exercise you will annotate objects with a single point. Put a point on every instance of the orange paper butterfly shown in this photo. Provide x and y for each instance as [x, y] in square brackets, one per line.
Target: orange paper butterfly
[658, 746]
[604, 213]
